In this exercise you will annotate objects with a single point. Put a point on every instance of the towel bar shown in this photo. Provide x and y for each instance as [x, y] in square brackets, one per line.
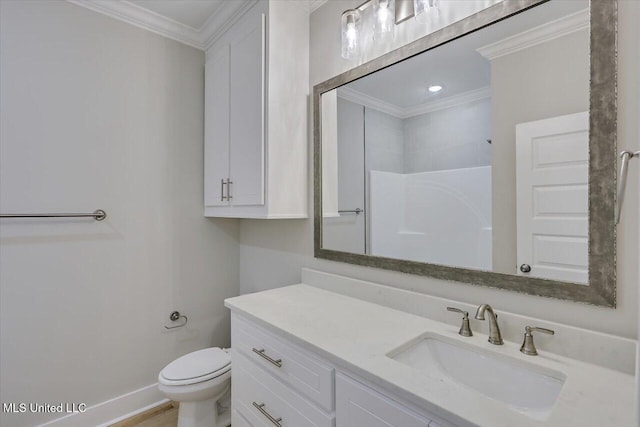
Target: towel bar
[98, 215]
[622, 182]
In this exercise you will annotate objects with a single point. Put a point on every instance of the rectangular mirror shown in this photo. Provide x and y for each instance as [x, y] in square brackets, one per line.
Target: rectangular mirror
[482, 153]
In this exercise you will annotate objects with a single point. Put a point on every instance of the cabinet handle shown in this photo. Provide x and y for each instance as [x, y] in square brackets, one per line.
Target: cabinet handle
[260, 407]
[222, 183]
[260, 353]
[229, 182]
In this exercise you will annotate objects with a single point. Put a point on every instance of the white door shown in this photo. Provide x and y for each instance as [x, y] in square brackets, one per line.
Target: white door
[216, 127]
[552, 172]
[246, 170]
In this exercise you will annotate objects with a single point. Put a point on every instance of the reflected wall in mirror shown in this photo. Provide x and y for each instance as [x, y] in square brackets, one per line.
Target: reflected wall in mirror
[473, 157]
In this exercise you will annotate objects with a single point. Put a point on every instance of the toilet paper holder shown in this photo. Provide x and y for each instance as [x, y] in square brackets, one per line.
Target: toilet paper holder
[174, 317]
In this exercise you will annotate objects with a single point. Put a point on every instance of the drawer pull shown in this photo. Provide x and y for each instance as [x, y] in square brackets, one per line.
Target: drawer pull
[260, 353]
[260, 407]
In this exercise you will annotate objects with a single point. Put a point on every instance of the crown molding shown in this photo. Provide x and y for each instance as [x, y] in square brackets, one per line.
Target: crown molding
[448, 102]
[360, 98]
[143, 18]
[537, 35]
[418, 110]
[200, 38]
[218, 23]
[315, 5]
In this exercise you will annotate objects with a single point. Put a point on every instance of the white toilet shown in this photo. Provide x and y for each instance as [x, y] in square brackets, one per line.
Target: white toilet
[201, 383]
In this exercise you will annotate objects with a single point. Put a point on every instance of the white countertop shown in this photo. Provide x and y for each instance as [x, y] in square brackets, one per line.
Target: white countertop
[356, 335]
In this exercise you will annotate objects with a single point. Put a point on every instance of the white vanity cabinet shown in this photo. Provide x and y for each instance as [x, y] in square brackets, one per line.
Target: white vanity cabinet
[256, 92]
[276, 382]
[358, 405]
[274, 379]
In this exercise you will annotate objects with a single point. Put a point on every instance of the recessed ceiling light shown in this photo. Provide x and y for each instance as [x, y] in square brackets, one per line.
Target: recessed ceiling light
[435, 88]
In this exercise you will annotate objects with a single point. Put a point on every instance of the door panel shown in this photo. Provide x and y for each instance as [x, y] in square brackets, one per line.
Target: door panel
[246, 169]
[552, 173]
[216, 127]
[359, 406]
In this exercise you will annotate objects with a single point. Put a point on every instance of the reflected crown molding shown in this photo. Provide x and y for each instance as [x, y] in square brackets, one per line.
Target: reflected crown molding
[418, 110]
[358, 97]
[535, 36]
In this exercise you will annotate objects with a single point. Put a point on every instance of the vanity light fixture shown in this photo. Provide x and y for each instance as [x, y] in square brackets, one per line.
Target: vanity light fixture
[386, 14]
[434, 88]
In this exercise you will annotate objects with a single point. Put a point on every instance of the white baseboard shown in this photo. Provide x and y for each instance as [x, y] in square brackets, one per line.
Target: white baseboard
[113, 410]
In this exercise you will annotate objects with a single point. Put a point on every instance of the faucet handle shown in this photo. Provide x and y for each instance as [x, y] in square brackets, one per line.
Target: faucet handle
[465, 328]
[528, 347]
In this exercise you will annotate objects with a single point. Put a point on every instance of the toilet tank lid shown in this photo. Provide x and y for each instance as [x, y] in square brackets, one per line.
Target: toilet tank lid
[197, 364]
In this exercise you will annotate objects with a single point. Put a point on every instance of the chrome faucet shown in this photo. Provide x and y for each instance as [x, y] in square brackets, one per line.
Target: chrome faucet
[494, 330]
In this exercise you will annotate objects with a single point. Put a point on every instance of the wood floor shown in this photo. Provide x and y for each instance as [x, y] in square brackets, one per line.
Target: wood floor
[165, 415]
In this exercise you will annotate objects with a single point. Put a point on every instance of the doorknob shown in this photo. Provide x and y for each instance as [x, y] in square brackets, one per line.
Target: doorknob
[525, 268]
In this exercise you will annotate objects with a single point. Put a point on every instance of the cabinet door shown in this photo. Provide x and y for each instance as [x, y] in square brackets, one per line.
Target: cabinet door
[359, 406]
[216, 127]
[247, 101]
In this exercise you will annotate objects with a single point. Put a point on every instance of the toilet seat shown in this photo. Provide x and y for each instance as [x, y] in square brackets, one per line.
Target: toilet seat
[199, 366]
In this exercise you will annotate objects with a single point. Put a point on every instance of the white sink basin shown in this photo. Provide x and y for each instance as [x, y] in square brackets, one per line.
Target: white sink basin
[524, 387]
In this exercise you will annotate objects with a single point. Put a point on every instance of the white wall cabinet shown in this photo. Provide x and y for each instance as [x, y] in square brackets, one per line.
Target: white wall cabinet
[275, 378]
[256, 90]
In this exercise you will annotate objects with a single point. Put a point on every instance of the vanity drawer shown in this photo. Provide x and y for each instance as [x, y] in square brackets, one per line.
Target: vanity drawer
[286, 361]
[358, 405]
[258, 399]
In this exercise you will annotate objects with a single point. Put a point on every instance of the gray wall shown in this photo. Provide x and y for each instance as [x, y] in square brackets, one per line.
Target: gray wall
[95, 113]
[544, 81]
[347, 232]
[272, 252]
[384, 136]
[453, 138]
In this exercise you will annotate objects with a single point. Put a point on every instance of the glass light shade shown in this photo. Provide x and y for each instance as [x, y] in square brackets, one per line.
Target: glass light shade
[351, 34]
[426, 9]
[384, 16]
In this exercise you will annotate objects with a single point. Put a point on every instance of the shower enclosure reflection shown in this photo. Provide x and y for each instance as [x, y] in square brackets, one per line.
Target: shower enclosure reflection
[472, 155]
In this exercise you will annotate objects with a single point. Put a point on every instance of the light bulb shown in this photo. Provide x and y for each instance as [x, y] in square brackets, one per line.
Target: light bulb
[435, 88]
[384, 24]
[426, 10]
[350, 34]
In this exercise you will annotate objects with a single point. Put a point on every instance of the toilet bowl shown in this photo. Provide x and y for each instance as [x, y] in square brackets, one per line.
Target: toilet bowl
[200, 382]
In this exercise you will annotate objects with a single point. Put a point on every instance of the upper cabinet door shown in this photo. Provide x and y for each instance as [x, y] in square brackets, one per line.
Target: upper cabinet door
[247, 144]
[256, 114]
[216, 123]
